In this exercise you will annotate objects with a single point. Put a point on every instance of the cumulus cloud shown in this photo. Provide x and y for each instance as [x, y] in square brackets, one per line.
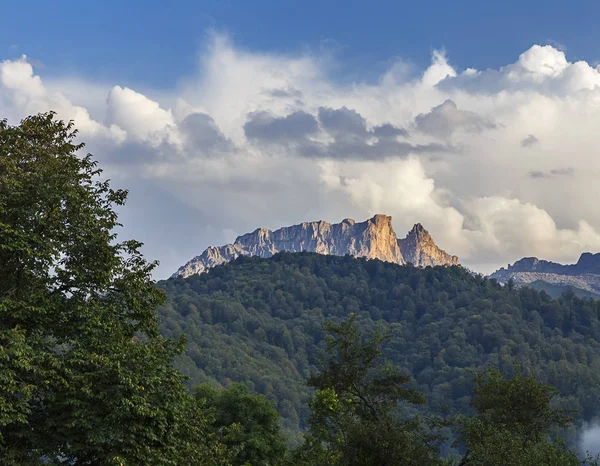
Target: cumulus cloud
[333, 133]
[141, 117]
[343, 121]
[257, 139]
[352, 139]
[484, 228]
[498, 218]
[201, 133]
[264, 126]
[543, 69]
[23, 93]
[439, 70]
[445, 118]
[388, 130]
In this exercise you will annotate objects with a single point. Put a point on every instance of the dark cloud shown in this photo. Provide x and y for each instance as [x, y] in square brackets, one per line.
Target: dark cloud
[382, 149]
[537, 174]
[388, 131]
[283, 93]
[352, 139]
[442, 120]
[343, 121]
[347, 127]
[569, 171]
[265, 127]
[202, 133]
[529, 141]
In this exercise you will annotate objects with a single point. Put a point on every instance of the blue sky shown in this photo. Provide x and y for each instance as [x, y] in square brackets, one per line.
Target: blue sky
[477, 119]
[155, 42]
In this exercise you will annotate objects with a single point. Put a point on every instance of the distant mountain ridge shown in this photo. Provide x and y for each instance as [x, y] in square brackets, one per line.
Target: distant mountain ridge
[531, 271]
[374, 239]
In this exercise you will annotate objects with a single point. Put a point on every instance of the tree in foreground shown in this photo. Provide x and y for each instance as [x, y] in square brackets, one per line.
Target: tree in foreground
[253, 421]
[356, 416]
[85, 377]
[513, 424]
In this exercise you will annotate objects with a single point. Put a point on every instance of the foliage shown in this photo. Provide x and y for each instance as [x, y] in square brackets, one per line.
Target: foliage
[513, 423]
[85, 377]
[256, 439]
[355, 415]
[260, 322]
[556, 291]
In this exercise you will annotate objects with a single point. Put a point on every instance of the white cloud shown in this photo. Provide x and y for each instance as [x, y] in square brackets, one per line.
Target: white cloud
[511, 228]
[445, 118]
[497, 164]
[439, 70]
[140, 117]
[540, 69]
[23, 93]
[402, 189]
[540, 62]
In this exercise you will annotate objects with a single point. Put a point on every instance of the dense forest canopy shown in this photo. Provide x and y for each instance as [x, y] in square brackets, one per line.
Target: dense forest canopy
[260, 322]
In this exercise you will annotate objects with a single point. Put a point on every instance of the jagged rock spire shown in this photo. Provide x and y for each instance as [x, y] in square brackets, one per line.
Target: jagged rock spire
[419, 249]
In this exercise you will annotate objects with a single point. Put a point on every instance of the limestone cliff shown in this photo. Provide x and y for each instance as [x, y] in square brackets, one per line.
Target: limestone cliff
[419, 249]
[373, 239]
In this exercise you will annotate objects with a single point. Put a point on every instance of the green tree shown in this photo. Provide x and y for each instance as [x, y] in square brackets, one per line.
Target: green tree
[257, 438]
[355, 418]
[85, 377]
[513, 423]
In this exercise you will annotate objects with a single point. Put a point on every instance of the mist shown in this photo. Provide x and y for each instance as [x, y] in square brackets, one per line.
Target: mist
[590, 440]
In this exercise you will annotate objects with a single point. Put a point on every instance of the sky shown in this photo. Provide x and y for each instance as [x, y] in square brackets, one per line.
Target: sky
[477, 119]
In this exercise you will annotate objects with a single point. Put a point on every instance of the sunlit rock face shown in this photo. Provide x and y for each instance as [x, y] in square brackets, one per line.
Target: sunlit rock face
[419, 249]
[374, 239]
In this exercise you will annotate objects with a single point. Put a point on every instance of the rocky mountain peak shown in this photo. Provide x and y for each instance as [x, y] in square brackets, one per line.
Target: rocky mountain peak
[378, 241]
[420, 233]
[374, 239]
[418, 229]
[589, 263]
[419, 249]
[381, 220]
[260, 234]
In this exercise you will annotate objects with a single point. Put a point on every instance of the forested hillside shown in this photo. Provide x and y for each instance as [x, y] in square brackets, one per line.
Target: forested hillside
[260, 322]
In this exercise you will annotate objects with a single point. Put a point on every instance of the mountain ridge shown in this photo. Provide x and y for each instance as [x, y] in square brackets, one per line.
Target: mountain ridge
[583, 275]
[374, 238]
